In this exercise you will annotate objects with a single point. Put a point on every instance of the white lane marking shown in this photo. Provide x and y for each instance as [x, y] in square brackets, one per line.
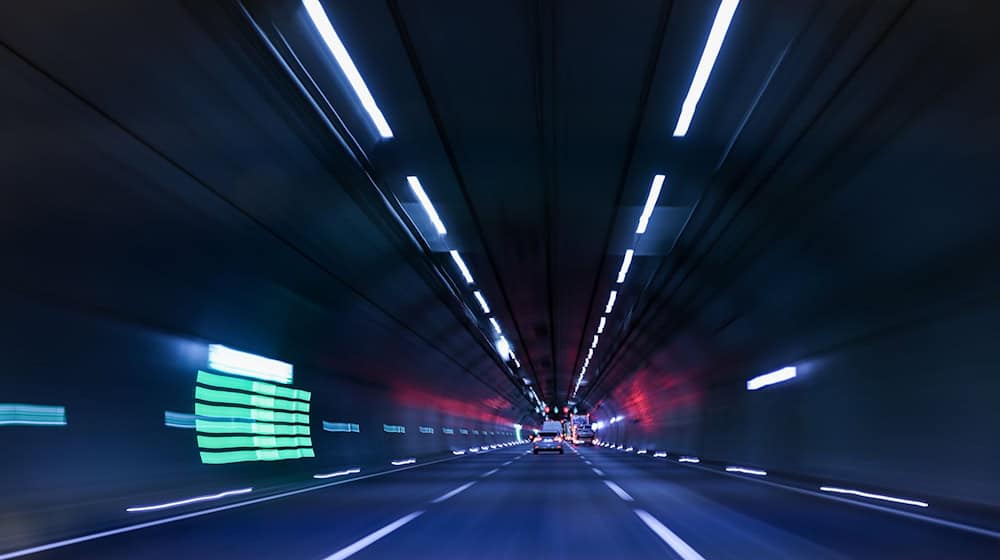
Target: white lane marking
[461, 488]
[618, 490]
[507, 463]
[587, 462]
[353, 549]
[673, 541]
[490, 472]
[183, 516]
[598, 472]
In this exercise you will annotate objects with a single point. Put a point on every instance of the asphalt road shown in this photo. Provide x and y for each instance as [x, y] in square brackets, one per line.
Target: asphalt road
[595, 503]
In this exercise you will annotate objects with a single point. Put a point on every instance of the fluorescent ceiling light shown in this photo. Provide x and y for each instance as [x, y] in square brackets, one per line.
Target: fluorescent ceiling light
[496, 325]
[611, 301]
[626, 263]
[594, 344]
[418, 190]
[461, 266]
[482, 301]
[600, 325]
[874, 496]
[689, 460]
[226, 359]
[340, 54]
[647, 210]
[401, 462]
[503, 347]
[783, 374]
[590, 354]
[715, 38]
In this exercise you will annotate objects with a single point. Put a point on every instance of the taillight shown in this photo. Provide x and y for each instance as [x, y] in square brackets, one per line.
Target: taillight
[558, 438]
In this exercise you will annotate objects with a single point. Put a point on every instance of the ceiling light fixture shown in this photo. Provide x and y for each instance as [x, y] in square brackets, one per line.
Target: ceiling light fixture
[418, 190]
[611, 301]
[712, 46]
[340, 54]
[482, 301]
[647, 210]
[626, 263]
[461, 266]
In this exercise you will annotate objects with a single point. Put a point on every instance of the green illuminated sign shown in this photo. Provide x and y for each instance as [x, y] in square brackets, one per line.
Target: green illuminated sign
[240, 420]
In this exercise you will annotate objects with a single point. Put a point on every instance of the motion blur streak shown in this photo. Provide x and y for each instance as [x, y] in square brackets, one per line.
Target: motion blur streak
[772, 325]
[192, 500]
[874, 496]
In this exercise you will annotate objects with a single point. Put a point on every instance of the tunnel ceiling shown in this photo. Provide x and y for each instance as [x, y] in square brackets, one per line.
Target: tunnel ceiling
[536, 129]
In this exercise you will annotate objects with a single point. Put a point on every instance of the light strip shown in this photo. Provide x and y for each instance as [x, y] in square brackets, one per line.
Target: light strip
[503, 347]
[783, 374]
[341, 427]
[594, 344]
[191, 500]
[401, 462]
[687, 459]
[482, 301]
[418, 190]
[461, 266]
[647, 210]
[660, 455]
[226, 359]
[626, 263]
[601, 324]
[873, 496]
[590, 353]
[712, 46]
[458, 452]
[611, 301]
[340, 54]
[496, 325]
[745, 470]
[338, 473]
[15, 414]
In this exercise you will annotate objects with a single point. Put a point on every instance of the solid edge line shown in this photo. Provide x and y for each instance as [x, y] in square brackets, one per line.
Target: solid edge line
[444, 497]
[618, 491]
[885, 509]
[165, 520]
[678, 545]
[365, 542]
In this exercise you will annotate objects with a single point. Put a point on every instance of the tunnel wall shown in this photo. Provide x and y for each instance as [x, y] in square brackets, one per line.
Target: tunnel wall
[116, 379]
[910, 409]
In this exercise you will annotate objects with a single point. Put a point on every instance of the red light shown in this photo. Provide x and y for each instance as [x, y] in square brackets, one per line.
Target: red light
[547, 409]
[565, 409]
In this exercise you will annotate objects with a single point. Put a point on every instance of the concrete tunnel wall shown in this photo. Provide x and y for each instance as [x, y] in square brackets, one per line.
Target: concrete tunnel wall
[910, 410]
[116, 380]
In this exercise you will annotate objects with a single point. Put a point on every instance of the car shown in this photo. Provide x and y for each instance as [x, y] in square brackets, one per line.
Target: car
[548, 441]
[549, 438]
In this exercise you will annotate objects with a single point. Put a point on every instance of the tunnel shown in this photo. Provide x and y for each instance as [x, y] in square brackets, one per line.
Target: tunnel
[560, 279]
